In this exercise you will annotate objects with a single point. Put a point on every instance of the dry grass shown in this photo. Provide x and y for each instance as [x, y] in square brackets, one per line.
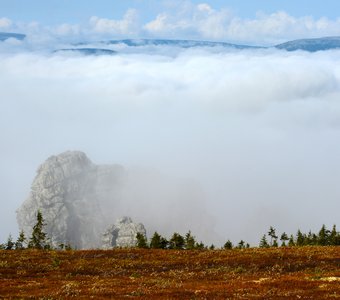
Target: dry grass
[284, 273]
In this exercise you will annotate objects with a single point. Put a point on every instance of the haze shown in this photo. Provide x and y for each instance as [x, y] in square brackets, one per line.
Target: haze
[257, 131]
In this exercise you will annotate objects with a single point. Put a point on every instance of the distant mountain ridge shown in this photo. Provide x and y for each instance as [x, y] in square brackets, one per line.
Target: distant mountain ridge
[177, 43]
[88, 51]
[311, 45]
[7, 35]
[104, 47]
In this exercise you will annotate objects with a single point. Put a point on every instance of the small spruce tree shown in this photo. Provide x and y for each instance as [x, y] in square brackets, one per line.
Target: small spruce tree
[300, 238]
[20, 243]
[38, 239]
[291, 242]
[164, 243]
[156, 241]
[332, 236]
[228, 245]
[241, 245]
[284, 237]
[263, 242]
[189, 241]
[176, 241]
[272, 235]
[323, 236]
[10, 244]
[141, 240]
[200, 246]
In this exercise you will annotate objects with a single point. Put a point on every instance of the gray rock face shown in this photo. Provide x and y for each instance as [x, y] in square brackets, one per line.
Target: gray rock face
[70, 191]
[79, 200]
[122, 234]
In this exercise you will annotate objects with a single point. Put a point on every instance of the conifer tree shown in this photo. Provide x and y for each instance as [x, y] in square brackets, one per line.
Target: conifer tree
[291, 242]
[164, 243]
[309, 238]
[241, 245]
[200, 246]
[156, 241]
[300, 238]
[272, 235]
[284, 238]
[10, 243]
[38, 238]
[141, 240]
[20, 243]
[314, 239]
[189, 241]
[228, 245]
[176, 241]
[323, 236]
[333, 236]
[263, 242]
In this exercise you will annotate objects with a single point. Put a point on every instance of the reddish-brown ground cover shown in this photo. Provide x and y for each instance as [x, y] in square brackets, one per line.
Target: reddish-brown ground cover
[284, 273]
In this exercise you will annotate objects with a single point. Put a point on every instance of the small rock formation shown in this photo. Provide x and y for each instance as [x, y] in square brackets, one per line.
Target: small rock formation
[122, 234]
[70, 191]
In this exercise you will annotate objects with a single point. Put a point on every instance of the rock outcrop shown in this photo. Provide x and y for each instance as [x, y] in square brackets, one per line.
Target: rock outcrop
[122, 234]
[70, 191]
[79, 200]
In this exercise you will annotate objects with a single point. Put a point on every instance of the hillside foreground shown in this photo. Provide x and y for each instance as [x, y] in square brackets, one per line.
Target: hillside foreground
[274, 273]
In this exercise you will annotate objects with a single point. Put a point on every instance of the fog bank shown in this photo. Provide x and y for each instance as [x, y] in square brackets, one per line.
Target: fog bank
[256, 130]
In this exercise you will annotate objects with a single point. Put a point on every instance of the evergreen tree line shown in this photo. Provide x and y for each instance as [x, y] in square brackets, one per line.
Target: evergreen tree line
[38, 239]
[177, 241]
[324, 237]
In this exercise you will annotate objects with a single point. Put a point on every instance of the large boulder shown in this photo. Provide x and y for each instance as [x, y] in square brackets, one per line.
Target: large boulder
[122, 234]
[70, 190]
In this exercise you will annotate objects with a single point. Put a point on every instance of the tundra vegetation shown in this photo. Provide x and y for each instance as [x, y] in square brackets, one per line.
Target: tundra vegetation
[304, 266]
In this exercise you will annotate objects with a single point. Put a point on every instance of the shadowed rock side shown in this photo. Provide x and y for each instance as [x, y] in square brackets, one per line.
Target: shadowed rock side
[122, 234]
[68, 189]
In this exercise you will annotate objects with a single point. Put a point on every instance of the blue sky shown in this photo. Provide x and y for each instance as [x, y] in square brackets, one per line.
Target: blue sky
[56, 11]
[260, 22]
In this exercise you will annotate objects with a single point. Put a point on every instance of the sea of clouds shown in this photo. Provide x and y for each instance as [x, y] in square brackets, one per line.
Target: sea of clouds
[255, 131]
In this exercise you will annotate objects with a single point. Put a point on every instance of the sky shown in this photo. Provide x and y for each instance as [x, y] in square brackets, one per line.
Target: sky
[54, 12]
[257, 22]
[256, 130]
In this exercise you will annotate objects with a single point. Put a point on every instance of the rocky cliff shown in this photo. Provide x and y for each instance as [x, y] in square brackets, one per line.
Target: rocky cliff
[79, 200]
[122, 234]
[70, 191]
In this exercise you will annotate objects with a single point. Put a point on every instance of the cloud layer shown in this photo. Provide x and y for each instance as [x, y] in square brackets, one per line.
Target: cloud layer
[257, 130]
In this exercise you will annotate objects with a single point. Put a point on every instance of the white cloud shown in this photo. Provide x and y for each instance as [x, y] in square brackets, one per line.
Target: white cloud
[127, 26]
[186, 20]
[258, 129]
[5, 23]
[279, 27]
[203, 21]
[67, 30]
[192, 21]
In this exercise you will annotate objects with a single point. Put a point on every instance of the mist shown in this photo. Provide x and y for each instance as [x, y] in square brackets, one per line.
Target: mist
[256, 132]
